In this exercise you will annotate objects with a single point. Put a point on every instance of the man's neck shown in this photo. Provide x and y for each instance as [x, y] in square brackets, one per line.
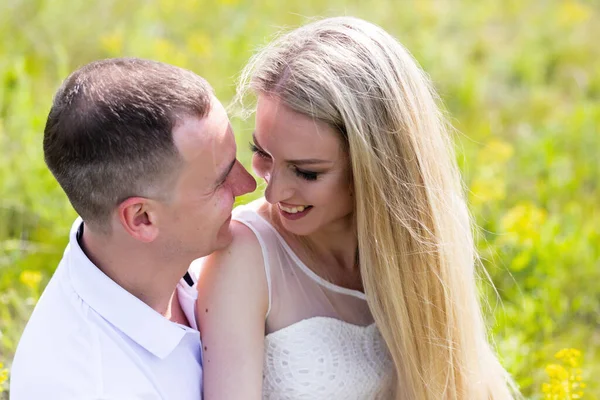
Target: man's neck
[175, 312]
[135, 269]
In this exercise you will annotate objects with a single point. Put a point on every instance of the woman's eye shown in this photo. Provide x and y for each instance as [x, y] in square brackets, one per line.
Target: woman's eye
[258, 151]
[307, 175]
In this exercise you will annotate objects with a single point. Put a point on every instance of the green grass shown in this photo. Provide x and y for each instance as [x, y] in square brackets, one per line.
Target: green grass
[521, 80]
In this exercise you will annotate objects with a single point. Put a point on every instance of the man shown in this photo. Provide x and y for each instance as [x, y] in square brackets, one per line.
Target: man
[146, 155]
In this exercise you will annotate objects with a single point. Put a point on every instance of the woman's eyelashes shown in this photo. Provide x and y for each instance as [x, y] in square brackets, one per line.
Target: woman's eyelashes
[254, 149]
[306, 175]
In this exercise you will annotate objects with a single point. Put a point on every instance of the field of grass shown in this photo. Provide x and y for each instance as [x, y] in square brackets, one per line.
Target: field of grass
[520, 79]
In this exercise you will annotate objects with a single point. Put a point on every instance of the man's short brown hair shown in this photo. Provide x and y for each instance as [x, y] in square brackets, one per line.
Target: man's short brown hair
[109, 137]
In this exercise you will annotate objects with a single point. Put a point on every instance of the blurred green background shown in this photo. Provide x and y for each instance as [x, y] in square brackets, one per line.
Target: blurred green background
[520, 80]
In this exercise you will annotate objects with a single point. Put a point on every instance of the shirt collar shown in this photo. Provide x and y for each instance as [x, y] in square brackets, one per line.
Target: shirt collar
[126, 312]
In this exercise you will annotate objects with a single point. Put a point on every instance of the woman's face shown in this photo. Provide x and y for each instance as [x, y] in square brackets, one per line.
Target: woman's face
[304, 165]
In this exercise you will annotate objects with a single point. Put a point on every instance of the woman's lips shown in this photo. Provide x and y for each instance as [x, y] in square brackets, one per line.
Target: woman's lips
[294, 212]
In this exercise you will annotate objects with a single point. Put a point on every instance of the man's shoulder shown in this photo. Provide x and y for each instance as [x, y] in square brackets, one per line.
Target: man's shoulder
[54, 360]
[59, 311]
[67, 350]
[57, 339]
[53, 375]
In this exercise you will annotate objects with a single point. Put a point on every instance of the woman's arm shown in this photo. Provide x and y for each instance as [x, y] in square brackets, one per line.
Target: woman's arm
[232, 304]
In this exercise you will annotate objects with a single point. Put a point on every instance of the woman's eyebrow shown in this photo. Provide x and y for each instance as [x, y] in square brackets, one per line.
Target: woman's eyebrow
[309, 161]
[306, 161]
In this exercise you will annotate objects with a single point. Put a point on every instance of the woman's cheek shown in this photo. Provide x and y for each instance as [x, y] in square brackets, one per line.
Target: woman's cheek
[261, 167]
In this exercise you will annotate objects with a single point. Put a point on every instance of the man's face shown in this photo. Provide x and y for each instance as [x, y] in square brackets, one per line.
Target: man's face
[195, 222]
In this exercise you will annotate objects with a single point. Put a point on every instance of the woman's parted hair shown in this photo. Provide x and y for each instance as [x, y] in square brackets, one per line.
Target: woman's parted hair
[414, 232]
[108, 135]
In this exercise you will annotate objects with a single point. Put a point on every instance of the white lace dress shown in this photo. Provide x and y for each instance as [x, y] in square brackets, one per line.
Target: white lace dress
[321, 342]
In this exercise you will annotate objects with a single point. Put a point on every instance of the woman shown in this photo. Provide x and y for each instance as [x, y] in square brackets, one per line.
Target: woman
[354, 277]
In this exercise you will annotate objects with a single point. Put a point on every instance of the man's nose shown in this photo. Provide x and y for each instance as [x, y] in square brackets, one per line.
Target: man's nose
[243, 182]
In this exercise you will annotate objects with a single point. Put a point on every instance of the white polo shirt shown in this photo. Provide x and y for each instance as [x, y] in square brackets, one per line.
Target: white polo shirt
[88, 338]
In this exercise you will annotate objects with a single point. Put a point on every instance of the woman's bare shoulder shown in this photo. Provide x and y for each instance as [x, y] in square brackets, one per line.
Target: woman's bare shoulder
[261, 207]
[243, 252]
[235, 273]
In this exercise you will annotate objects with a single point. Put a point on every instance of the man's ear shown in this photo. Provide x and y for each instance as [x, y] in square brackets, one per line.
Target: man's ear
[139, 218]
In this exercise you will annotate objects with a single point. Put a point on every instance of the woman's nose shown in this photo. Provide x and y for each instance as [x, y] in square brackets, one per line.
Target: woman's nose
[277, 189]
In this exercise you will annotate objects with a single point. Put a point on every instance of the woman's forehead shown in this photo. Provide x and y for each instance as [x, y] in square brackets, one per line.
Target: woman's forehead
[279, 126]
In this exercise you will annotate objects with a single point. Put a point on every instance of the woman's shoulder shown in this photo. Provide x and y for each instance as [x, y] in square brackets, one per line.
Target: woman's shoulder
[257, 217]
[258, 208]
[244, 249]
[252, 238]
[235, 273]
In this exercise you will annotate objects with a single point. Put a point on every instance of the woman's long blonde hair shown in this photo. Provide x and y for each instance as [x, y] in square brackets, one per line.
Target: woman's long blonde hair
[414, 232]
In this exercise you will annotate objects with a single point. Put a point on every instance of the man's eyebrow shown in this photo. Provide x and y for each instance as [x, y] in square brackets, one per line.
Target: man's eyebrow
[223, 176]
[307, 161]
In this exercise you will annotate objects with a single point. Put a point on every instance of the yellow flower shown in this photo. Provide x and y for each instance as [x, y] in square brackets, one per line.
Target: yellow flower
[520, 225]
[556, 371]
[569, 356]
[566, 382]
[113, 43]
[484, 190]
[200, 44]
[31, 279]
[573, 12]
[495, 152]
[489, 185]
[3, 377]
[167, 51]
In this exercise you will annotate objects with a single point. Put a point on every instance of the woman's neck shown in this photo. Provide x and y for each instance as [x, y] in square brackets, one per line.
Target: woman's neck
[331, 252]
